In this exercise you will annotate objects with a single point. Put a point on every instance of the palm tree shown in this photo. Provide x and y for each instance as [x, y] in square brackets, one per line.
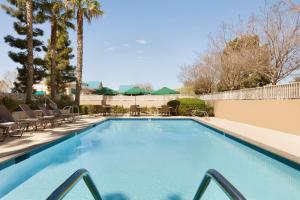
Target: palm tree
[29, 37]
[87, 9]
[55, 12]
[29, 21]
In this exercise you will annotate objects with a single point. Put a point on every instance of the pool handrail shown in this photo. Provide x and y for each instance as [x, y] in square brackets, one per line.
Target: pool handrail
[231, 192]
[60, 192]
[67, 185]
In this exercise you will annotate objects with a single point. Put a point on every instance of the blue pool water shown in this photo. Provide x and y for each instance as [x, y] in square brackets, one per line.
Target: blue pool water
[149, 160]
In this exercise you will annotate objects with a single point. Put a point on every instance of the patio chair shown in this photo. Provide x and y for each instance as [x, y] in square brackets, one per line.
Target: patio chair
[135, 110]
[107, 109]
[9, 126]
[44, 120]
[164, 110]
[99, 109]
[173, 111]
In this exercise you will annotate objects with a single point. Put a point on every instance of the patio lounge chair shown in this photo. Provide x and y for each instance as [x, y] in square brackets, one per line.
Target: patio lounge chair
[44, 120]
[66, 116]
[135, 110]
[46, 112]
[9, 126]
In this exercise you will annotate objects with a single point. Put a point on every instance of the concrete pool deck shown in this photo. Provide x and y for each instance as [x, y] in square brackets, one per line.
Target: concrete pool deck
[280, 143]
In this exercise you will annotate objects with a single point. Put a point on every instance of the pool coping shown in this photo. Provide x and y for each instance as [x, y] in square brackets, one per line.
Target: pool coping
[269, 151]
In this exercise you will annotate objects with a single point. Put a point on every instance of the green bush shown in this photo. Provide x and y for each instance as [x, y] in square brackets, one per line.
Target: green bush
[39, 101]
[190, 106]
[11, 104]
[144, 110]
[119, 109]
[64, 100]
[152, 110]
[86, 109]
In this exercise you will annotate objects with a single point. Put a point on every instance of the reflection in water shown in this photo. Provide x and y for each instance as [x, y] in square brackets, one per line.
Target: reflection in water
[174, 197]
[115, 196]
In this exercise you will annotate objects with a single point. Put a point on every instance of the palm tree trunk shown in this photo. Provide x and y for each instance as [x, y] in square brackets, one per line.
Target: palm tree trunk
[29, 21]
[53, 55]
[79, 55]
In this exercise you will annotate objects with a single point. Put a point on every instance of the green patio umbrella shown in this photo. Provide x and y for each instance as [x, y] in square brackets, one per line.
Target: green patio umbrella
[164, 91]
[136, 91]
[40, 93]
[105, 91]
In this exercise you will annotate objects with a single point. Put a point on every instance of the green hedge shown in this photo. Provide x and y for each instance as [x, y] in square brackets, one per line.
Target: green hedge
[87, 109]
[93, 109]
[64, 100]
[119, 110]
[190, 106]
[11, 104]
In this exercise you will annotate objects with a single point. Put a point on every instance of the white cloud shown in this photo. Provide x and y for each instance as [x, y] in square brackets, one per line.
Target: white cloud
[141, 41]
[139, 52]
[125, 45]
[109, 49]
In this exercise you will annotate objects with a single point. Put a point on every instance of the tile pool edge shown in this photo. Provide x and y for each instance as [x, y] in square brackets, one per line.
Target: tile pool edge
[259, 147]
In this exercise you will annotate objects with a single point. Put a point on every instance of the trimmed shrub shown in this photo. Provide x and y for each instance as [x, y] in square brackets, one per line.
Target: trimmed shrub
[190, 106]
[119, 109]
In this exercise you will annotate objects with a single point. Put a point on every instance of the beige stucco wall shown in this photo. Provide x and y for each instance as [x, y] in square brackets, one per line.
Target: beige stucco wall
[126, 101]
[282, 115]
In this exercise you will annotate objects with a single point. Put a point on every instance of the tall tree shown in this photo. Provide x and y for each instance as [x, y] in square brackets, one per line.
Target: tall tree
[29, 22]
[279, 28]
[242, 62]
[32, 69]
[87, 9]
[57, 14]
[64, 71]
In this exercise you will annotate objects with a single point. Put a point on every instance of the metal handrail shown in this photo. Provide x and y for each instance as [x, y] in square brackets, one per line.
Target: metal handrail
[222, 182]
[67, 185]
[205, 113]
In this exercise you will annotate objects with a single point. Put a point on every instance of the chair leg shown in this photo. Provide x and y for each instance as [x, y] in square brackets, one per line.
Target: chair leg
[4, 134]
[35, 126]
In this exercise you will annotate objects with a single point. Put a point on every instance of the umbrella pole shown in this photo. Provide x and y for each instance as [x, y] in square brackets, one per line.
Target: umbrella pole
[134, 100]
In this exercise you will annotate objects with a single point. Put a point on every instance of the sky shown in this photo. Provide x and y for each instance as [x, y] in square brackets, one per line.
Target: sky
[143, 41]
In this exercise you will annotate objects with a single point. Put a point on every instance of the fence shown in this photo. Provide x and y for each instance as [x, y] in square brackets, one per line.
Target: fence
[285, 91]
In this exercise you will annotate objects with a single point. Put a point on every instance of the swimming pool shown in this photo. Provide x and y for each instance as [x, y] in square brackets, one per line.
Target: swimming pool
[150, 159]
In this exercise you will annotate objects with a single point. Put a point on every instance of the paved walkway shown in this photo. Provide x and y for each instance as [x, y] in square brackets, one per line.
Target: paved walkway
[13, 146]
[284, 144]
